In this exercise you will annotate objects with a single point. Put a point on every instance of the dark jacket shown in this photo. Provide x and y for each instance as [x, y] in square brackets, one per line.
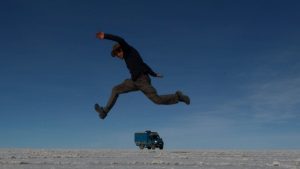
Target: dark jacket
[132, 58]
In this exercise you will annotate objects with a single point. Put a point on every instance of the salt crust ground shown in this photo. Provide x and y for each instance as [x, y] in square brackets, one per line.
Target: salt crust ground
[147, 159]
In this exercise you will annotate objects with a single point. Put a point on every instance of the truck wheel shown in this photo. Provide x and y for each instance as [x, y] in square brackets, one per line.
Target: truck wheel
[153, 147]
[141, 147]
[161, 147]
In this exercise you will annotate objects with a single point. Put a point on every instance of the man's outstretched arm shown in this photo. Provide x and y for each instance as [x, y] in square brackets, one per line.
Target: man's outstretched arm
[121, 41]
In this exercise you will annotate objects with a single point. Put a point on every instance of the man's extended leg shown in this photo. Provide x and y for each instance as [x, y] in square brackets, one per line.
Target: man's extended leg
[144, 84]
[125, 87]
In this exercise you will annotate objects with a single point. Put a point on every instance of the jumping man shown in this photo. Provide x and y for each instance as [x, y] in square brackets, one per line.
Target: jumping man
[139, 81]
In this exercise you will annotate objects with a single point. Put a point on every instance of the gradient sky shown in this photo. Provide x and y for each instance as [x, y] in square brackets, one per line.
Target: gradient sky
[239, 61]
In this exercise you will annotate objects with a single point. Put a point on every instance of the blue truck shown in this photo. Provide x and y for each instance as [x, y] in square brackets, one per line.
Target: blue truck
[148, 139]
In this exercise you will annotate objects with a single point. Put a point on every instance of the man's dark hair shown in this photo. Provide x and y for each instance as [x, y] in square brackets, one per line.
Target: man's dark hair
[116, 49]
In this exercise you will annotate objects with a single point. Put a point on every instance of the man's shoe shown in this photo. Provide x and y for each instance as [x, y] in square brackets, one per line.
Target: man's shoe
[101, 112]
[183, 98]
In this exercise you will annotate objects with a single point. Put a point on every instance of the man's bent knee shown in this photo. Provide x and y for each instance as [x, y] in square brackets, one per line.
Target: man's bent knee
[116, 90]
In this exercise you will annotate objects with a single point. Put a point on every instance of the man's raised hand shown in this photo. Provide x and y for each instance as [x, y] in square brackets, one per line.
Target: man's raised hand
[100, 35]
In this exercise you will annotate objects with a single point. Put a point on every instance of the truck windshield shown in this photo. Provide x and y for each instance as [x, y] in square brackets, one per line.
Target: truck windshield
[155, 137]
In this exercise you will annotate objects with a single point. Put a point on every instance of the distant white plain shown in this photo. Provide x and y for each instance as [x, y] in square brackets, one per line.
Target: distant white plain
[146, 159]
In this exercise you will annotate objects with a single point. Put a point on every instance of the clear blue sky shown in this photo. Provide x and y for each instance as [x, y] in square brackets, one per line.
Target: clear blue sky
[238, 60]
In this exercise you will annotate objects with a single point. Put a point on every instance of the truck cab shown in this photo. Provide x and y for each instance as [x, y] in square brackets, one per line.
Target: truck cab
[148, 139]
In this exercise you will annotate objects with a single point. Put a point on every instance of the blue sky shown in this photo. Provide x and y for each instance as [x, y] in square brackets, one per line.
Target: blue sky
[237, 60]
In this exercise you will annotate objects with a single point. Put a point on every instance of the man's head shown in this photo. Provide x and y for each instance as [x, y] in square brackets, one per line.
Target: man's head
[117, 51]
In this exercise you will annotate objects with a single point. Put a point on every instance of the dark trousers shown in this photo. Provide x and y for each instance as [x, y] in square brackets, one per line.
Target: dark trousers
[143, 83]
